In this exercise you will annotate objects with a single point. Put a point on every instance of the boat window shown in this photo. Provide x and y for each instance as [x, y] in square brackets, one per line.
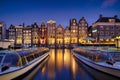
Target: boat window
[7, 61]
[10, 60]
[1, 57]
[23, 60]
[28, 58]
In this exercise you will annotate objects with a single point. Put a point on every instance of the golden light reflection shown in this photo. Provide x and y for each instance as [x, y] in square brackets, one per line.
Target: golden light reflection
[51, 64]
[59, 59]
[74, 67]
[67, 58]
[43, 70]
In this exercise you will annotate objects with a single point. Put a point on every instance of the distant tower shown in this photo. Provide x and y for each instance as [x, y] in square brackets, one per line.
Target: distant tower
[2, 30]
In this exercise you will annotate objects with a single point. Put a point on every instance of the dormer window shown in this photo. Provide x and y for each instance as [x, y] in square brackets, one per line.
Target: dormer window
[74, 24]
[82, 21]
[74, 20]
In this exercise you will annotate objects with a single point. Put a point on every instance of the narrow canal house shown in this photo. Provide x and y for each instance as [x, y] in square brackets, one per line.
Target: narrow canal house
[2, 30]
[11, 32]
[19, 36]
[105, 29]
[51, 26]
[35, 36]
[82, 30]
[43, 34]
[74, 32]
[59, 37]
[27, 36]
[67, 37]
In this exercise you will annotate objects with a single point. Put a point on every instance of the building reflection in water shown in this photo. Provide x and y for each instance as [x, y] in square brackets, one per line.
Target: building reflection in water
[59, 59]
[51, 65]
[67, 58]
[61, 65]
[74, 68]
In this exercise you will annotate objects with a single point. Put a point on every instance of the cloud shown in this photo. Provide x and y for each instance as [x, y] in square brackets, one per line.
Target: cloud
[107, 3]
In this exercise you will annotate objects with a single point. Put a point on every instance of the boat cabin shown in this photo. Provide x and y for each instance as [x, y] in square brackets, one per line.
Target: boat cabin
[10, 58]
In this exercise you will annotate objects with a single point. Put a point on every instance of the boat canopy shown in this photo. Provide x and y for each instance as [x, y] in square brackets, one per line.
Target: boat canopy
[26, 52]
[8, 58]
[18, 58]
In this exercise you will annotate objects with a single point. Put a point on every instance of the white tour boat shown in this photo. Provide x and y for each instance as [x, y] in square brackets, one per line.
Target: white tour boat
[111, 68]
[18, 64]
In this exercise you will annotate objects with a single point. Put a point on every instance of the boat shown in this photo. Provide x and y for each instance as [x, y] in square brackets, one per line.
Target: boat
[102, 66]
[18, 64]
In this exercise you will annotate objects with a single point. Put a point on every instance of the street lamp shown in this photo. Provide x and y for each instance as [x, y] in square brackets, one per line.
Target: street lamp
[117, 41]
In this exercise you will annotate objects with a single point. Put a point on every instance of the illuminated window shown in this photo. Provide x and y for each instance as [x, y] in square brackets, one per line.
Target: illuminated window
[101, 28]
[112, 20]
[101, 39]
[74, 20]
[107, 39]
[74, 24]
[73, 30]
[112, 39]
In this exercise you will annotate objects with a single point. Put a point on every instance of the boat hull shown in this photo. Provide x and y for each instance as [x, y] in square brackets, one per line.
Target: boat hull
[102, 68]
[22, 70]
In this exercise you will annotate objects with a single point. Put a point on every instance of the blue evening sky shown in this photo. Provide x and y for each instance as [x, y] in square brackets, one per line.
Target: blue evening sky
[29, 11]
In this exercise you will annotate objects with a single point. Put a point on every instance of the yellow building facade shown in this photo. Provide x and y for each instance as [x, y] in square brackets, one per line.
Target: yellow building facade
[51, 26]
[59, 36]
[66, 37]
[74, 32]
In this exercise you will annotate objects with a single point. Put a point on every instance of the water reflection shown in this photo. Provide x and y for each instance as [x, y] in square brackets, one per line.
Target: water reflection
[50, 71]
[61, 65]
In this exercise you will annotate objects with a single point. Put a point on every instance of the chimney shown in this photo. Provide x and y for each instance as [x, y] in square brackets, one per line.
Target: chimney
[23, 24]
[100, 16]
[115, 16]
[82, 17]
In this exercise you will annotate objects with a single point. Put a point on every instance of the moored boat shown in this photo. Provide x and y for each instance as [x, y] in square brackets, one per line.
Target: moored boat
[111, 69]
[16, 64]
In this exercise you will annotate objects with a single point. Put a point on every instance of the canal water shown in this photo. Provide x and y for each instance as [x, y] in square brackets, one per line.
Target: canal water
[61, 65]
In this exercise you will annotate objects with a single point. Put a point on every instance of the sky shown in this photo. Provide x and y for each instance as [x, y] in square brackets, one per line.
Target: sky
[17, 12]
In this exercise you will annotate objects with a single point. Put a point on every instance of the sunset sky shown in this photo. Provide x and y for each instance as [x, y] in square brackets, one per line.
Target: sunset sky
[29, 11]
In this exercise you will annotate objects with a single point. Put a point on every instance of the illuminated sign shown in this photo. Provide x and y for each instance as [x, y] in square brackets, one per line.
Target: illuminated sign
[94, 30]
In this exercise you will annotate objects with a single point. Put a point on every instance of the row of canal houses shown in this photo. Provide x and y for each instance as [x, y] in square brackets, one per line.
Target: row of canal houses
[50, 34]
[106, 30]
